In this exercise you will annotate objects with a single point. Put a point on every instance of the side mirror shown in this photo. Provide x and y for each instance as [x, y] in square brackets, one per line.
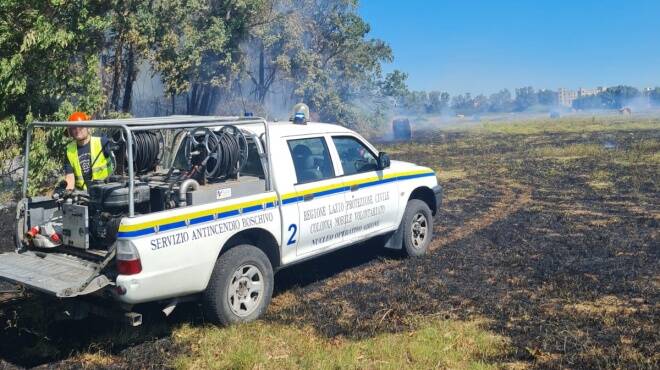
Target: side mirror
[383, 160]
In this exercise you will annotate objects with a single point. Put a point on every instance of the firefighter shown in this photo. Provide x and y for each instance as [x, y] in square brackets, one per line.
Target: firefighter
[87, 156]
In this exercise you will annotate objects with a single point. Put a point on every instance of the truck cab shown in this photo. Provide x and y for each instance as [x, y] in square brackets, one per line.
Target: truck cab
[229, 202]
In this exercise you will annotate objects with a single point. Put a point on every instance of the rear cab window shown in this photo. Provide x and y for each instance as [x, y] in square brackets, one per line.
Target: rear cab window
[311, 159]
[253, 166]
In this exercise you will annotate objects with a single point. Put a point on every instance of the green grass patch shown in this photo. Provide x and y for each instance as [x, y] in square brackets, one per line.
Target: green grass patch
[568, 125]
[645, 151]
[570, 151]
[600, 180]
[459, 194]
[448, 175]
[435, 344]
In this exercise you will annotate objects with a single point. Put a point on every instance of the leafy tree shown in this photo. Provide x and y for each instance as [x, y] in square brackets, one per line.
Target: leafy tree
[501, 101]
[618, 96]
[434, 102]
[128, 38]
[48, 64]
[196, 47]
[444, 99]
[394, 85]
[525, 98]
[589, 102]
[547, 97]
[57, 56]
[338, 64]
[654, 96]
[49, 55]
[274, 37]
[316, 51]
[416, 101]
[438, 102]
[463, 104]
[480, 103]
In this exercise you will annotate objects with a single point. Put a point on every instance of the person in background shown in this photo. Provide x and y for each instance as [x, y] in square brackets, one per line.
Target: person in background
[87, 156]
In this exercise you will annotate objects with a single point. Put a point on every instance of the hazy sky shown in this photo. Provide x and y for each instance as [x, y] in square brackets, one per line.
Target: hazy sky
[483, 46]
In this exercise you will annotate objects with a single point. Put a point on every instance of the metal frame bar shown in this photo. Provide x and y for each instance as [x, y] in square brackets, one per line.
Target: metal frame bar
[128, 125]
[262, 154]
[169, 120]
[26, 162]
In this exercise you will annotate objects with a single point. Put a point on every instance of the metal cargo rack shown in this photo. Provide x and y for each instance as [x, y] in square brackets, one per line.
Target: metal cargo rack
[130, 125]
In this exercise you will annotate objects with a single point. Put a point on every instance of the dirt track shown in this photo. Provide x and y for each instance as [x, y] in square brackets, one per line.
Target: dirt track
[559, 254]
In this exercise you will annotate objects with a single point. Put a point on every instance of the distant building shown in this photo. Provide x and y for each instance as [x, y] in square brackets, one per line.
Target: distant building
[566, 97]
[588, 92]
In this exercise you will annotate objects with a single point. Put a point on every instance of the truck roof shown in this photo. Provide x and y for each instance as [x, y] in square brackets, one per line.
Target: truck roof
[288, 128]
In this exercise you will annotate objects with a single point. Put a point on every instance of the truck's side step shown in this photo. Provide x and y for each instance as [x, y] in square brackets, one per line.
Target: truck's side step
[57, 274]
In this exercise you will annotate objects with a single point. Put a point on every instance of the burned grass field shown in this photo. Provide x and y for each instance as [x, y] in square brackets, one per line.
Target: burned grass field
[546, 255]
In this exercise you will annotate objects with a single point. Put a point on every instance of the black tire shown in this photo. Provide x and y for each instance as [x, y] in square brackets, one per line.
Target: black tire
[232, 295]
[417, 226]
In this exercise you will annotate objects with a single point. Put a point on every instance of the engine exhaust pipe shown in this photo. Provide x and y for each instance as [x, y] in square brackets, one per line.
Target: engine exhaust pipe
[167, 310]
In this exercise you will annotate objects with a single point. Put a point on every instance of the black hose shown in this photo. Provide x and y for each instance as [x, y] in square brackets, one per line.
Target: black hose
[146, 150]
[214, 153]
[225, 154]
[240, 146]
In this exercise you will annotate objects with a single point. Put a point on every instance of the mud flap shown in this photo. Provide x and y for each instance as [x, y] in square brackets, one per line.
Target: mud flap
[394, 240]
[58, 274]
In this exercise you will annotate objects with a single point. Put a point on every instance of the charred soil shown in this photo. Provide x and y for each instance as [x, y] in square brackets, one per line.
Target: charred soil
[552, 238]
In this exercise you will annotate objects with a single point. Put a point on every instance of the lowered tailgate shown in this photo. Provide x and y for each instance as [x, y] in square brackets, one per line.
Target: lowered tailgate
[53, 273]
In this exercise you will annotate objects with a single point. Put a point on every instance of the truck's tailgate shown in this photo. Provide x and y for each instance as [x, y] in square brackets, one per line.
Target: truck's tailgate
[58, 274]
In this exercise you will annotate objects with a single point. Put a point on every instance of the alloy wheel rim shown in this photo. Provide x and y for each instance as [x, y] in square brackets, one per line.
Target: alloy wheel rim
[245, 290]
[419, 230]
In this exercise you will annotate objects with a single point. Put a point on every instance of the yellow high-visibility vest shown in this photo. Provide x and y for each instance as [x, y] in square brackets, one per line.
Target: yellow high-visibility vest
[100, 169]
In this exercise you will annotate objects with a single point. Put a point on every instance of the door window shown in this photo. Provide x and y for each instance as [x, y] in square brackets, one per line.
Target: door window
[355, 157]
[311, 159]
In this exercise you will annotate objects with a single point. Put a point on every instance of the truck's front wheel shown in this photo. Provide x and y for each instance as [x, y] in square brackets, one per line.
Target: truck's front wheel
[240, 287]
[417, 228]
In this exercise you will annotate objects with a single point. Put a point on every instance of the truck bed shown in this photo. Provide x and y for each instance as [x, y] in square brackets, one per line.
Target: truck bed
[58, 274]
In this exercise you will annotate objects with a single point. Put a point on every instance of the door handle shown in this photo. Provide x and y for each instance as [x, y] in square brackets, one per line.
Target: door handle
[307, 197]
[355, 187]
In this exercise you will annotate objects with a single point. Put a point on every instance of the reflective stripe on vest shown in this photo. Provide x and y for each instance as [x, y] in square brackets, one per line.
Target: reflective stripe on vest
[100, 169]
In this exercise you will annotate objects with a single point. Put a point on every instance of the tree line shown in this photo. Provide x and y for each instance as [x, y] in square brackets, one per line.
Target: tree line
[617, 97]
[521, 100]
[89, 53]
[437, 102]
[215, 56]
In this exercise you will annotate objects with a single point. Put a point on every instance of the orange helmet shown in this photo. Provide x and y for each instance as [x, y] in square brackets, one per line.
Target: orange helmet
[78, 116]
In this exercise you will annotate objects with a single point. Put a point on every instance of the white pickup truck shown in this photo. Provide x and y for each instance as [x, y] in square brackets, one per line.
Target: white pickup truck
[211, 207]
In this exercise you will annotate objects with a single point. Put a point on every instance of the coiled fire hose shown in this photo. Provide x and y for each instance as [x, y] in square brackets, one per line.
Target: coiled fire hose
[226, 151]
[147, 150]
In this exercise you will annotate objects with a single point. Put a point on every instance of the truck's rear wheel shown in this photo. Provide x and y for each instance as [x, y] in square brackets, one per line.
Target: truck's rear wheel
[417, 228]
[241, 286]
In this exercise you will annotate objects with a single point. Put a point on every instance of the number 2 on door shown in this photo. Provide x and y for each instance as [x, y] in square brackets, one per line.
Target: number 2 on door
[292, 229]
